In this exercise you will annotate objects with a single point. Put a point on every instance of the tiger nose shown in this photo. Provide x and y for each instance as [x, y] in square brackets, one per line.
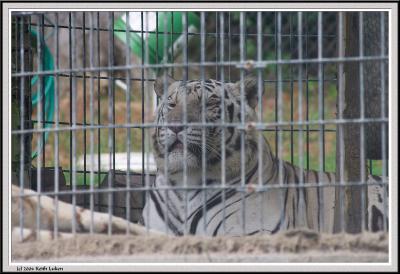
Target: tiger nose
[176, 130]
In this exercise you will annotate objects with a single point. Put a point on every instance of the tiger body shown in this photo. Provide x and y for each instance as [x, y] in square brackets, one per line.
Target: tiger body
[231, 212]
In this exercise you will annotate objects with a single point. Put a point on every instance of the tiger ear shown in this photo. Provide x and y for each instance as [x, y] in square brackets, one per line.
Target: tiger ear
[250, 90]
[159, 84]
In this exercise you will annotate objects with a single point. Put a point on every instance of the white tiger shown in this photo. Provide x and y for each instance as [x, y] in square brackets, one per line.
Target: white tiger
[192, 211]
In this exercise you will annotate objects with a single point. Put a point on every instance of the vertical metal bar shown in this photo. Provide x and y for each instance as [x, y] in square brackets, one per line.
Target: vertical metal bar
[43, 97]
[341, 129]
[242, 118]
[111, 28]
[70, 96]
[203, 116]
[229, 45]
[91, 136]
[186, 40]
[142, 90]
[383, 115]
[128, 121]
[323, 114]
[110, 120]
[223, 152]
[57, 125]
[172, 44]
[98, 107]
[362, 125]
[29, 106]
[291, 88]
[73, 110]
[280, 111]
[39, 119]
[157, 43]
[307, 97]
[84, 103]
[185, 78]
[260, 142]
[320, 115]
[216, 46]
[158, 61]
[165, 123]
[147, 104]
[22, 112]
[302, 207]
[276, 82]
[15, 42]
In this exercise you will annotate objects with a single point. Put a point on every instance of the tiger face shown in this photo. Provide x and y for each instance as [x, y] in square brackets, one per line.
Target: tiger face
[168, 140]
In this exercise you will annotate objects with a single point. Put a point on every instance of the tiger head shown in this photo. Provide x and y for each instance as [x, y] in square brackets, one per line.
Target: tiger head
[169, 139]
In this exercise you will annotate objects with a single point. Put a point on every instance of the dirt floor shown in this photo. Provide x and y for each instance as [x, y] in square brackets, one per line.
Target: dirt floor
[292, 246]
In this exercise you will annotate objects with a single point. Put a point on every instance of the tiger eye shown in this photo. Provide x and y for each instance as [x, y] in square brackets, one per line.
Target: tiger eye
[213, 102]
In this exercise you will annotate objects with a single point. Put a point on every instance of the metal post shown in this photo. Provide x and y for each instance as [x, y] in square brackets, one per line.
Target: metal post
[351, 133]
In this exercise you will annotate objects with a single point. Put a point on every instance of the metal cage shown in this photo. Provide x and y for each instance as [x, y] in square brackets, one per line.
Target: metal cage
[83, 101]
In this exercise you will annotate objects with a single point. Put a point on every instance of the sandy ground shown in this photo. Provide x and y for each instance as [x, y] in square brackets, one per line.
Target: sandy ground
[292, 246]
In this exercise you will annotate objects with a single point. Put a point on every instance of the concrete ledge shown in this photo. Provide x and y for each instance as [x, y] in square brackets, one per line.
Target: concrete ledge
[307, 257]
[290, 246]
